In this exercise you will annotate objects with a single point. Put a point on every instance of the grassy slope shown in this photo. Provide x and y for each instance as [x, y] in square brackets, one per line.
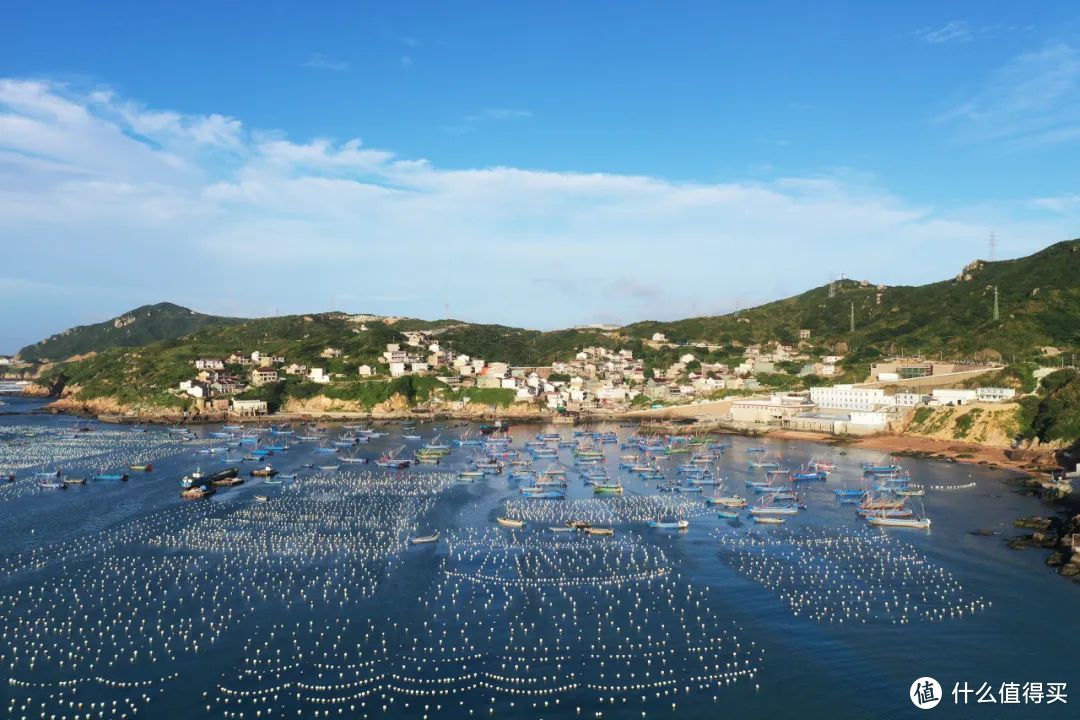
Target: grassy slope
[151, 323]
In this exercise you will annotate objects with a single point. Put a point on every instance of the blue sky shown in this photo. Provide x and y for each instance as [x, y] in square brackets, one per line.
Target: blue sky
[540, 164]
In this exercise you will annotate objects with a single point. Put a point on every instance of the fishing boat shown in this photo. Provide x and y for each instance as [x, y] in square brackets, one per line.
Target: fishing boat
[774, 510]
[560, 529]
[53, 484]
[287, 476]
[872, 469]
[392, 461]
[907, 492]
[74, 480]
[809, 476]
[143, 468]
[731, 501]
[228, 482]
[608, 488]
[768, 520]
[196, 493]
[510, 522]
[728, 514]
[267, 471]
[262, 498]
[423, 539]
[329, 468]
[669, 524]
[606, 531]
[884, 521]
[470, 474]
[849, 492]
[543, 493]
[111, 476]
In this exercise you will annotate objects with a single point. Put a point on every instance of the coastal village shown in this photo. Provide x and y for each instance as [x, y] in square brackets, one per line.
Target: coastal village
[597, 381]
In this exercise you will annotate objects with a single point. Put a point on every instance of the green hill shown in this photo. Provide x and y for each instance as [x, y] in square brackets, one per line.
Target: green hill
[141, 326]
[1038, 300]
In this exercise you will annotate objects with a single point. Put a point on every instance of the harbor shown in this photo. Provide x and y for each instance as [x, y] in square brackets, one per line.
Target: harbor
[504, 577]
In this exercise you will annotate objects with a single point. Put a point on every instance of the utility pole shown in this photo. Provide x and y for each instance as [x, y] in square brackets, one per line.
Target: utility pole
[997, 314]
[852, 316]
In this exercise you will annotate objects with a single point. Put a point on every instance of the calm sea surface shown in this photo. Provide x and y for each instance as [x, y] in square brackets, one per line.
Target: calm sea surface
[119, 599]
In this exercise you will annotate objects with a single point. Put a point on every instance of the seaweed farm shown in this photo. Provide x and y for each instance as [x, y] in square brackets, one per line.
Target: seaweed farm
[543, 572]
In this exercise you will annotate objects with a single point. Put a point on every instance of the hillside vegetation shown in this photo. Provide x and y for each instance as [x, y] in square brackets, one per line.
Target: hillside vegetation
[1038, 298]
[141, 326]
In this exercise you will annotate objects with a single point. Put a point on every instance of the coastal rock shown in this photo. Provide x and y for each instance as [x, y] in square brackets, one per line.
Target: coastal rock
[1070, 569]
[1035, 522]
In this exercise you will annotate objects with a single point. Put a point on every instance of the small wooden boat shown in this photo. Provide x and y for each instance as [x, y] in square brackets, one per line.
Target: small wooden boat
[731, 501]
[578, 524]
[74, 480]
[262, 498]
[767, 520]
[600, 531]
[422, 539]
[669, 524]
[728, 514]
[510, 522]
[143, 468]
[560, 529]
[111, 476]
[267, 471]
[199, 492]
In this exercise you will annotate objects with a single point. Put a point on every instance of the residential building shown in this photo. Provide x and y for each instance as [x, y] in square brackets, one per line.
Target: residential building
[365, 371]
[209, 364]
[849, 397]
[249, 407]
[318, 375]
[263, 375]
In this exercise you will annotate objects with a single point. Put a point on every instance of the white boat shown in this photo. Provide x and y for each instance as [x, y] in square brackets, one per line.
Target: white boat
[421, 539]
[766, 520]
[510, 522]
[923, 524]
[670, 524]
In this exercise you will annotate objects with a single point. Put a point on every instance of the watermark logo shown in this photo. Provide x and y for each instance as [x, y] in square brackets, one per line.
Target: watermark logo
[925, 693]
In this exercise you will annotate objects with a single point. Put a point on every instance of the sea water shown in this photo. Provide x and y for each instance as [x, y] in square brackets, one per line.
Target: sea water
[119, 599]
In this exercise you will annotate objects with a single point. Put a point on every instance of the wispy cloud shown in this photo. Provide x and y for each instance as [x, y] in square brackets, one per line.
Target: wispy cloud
[955, 31]
[472, 122]
[201, 199]
[1032, 100]
[319, 61]
[1067, 203]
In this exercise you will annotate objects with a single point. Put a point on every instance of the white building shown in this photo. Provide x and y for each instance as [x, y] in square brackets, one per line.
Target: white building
[994, 394]
[209, 364]
[249, 407]
[397, 369]
[318, 375]
[365, 371]
[849, 397]
[909, 399]
[952, 396]
[770, 409]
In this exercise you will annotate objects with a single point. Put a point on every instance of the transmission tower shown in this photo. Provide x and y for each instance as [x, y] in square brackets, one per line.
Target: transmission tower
[992, 242]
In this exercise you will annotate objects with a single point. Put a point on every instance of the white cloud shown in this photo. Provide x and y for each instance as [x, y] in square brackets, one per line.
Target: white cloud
[954, 31]
[319, 61]
[95, 189]
[1032, 100]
